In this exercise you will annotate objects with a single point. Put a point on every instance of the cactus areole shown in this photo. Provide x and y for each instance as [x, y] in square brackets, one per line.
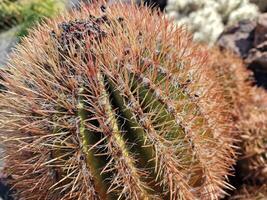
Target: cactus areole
[114, 103]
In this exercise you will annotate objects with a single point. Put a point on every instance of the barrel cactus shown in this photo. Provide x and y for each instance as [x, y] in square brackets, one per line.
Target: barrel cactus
[249, 109]
[253, 161]
[114, 103]
[236, 80]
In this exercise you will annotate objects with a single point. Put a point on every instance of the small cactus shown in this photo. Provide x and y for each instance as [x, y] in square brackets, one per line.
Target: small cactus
[114, 103]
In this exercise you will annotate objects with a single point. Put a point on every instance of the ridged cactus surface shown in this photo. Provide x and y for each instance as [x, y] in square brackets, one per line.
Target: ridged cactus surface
[114, 103]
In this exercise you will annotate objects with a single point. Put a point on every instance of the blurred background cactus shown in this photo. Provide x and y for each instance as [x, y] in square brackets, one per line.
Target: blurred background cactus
[252, 165]
[17, 16]
[249, 108]
[207, 18]
[26, 12]
[114, 103]
[9, 14]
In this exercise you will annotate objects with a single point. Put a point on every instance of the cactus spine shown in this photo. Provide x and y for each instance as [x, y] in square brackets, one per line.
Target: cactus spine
[114, 105]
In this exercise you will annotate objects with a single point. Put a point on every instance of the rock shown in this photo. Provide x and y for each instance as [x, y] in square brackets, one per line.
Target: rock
[258, 56]
[248, 39]
[238, 38]
[161, 4]
[261, 30]
[5, 192]
[257, 62]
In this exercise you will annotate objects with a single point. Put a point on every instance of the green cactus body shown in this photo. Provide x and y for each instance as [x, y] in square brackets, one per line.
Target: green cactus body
[114, 105]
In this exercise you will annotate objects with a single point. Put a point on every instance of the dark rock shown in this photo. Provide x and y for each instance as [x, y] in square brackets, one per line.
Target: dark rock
[248, 39]
[238, 38]
[161, 4]
[261, 30]
[258, 56]
[5, 191]
[257, 62]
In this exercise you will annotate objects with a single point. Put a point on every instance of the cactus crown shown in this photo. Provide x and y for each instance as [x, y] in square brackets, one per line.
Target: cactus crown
[114, 103]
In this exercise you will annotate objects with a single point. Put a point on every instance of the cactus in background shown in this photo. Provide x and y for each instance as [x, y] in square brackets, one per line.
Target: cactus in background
[114, 103]
[26, 13]
[234, 78]
[249, 108]
[253, 162]
[9, 14]
[207, 18]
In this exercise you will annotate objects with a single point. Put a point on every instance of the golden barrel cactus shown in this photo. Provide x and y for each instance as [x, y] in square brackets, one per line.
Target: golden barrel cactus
[114, 103]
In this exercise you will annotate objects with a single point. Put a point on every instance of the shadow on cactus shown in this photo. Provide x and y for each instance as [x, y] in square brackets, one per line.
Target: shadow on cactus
[114, 103]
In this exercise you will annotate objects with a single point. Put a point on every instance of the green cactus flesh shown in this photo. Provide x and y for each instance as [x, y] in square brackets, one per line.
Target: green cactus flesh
[114, 105]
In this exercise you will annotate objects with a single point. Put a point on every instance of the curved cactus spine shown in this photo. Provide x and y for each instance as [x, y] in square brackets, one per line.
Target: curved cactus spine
[114, 105]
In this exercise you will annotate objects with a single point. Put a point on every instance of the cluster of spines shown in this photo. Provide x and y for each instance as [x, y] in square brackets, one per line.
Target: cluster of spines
[129, 114]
